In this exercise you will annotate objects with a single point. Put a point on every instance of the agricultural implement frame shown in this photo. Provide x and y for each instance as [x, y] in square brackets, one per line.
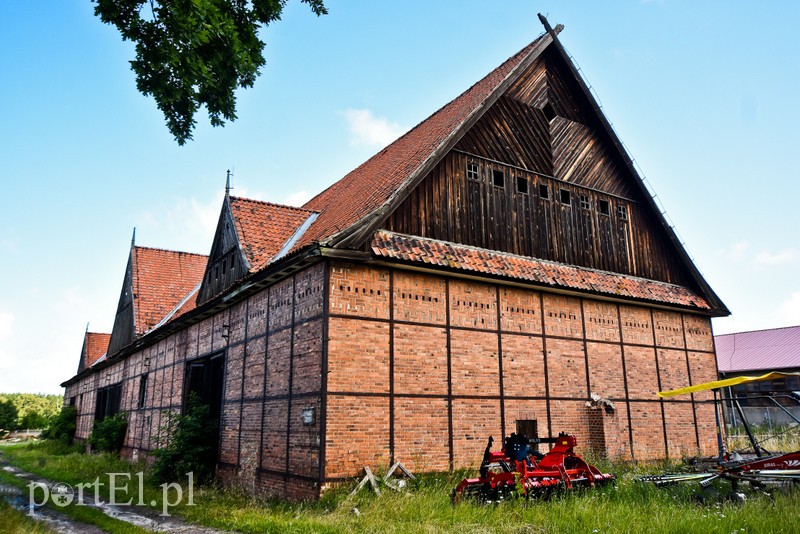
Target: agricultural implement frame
[517, 469]
[765, 469]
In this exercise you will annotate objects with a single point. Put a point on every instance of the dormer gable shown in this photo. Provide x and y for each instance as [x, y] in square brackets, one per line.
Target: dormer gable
[95, 346]
[158, 283]
[226, 261]
[250, 235]
[123, 332]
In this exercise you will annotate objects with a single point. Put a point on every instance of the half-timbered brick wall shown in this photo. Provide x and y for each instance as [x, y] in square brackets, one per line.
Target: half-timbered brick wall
[273, 344]
[423, 368]
[418, 367]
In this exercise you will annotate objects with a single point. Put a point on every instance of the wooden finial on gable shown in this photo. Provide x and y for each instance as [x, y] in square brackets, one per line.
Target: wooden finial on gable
[549, 29]
[133, 238]
[228, 184]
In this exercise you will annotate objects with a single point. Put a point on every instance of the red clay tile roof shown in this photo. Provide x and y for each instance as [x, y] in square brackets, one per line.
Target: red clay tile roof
[264, 228]
[547, 273]
[161, 280]
[96, 344]
[187, 306]
[777, 348]
[372, 183]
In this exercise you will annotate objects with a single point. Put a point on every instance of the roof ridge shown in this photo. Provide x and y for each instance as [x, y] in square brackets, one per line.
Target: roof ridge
[171, 251]
[272, 204]
[760, 330]
[522, 51]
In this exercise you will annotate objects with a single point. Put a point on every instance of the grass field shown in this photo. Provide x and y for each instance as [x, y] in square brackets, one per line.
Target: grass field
[779, 438]
[628, 506]
[15, 522]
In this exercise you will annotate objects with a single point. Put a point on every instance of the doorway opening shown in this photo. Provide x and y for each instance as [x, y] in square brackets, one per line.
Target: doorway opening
[204, 382]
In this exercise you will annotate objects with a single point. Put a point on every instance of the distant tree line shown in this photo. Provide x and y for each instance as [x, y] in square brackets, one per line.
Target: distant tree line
[28, 410]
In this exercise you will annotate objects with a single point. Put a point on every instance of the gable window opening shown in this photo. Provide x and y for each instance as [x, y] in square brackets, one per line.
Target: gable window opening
[522, 185]
[142, 391]
[585, 202]
[233, 258]
[473, 171]
[544, 191]
[604, 207]
[622, 213]
[549, 112]
[498, 178]
[565, 197]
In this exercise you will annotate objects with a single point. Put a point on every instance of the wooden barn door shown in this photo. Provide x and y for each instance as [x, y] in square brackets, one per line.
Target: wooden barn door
[205, 379]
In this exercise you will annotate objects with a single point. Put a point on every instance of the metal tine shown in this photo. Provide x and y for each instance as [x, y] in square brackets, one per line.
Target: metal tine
[707, 482]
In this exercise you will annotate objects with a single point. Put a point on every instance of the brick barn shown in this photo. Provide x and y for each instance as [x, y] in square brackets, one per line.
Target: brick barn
[499, 267]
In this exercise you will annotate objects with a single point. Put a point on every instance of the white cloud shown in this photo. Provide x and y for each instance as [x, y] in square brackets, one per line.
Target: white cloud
[186, 224]
[790, 309]
[297, 199]
[737, 252]
[787, 255]
[368, 129]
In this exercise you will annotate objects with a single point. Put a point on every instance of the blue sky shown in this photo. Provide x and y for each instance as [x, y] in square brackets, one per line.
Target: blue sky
[703, 94]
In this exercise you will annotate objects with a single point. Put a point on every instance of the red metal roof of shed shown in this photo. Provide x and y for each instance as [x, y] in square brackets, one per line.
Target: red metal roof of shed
[776, 348]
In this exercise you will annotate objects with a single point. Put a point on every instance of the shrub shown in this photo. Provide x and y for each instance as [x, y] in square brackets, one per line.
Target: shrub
[108, 435]
[190, 445]
[8, 415]
[62, 426]
[33, 420]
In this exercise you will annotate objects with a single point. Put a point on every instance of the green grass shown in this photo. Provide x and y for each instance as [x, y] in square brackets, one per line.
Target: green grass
[784, 438]
[626, 507]
[15, 522]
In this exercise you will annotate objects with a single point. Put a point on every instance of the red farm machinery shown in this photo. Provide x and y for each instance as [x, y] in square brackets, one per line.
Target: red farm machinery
[520, 470]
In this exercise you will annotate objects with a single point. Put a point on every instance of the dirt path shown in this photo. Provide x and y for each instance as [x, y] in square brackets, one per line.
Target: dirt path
[140, 516]
[54, 519]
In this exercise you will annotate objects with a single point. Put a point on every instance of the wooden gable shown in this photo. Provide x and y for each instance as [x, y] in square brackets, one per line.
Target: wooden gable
[537, 175]
[227, 262]
[124, 331]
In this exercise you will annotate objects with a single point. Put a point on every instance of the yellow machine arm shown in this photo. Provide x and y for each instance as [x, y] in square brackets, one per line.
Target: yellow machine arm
[717, 384]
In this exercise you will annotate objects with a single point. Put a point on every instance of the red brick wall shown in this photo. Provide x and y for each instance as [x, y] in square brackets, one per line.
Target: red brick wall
[511, 354]
[270, 340]
[418, 368]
